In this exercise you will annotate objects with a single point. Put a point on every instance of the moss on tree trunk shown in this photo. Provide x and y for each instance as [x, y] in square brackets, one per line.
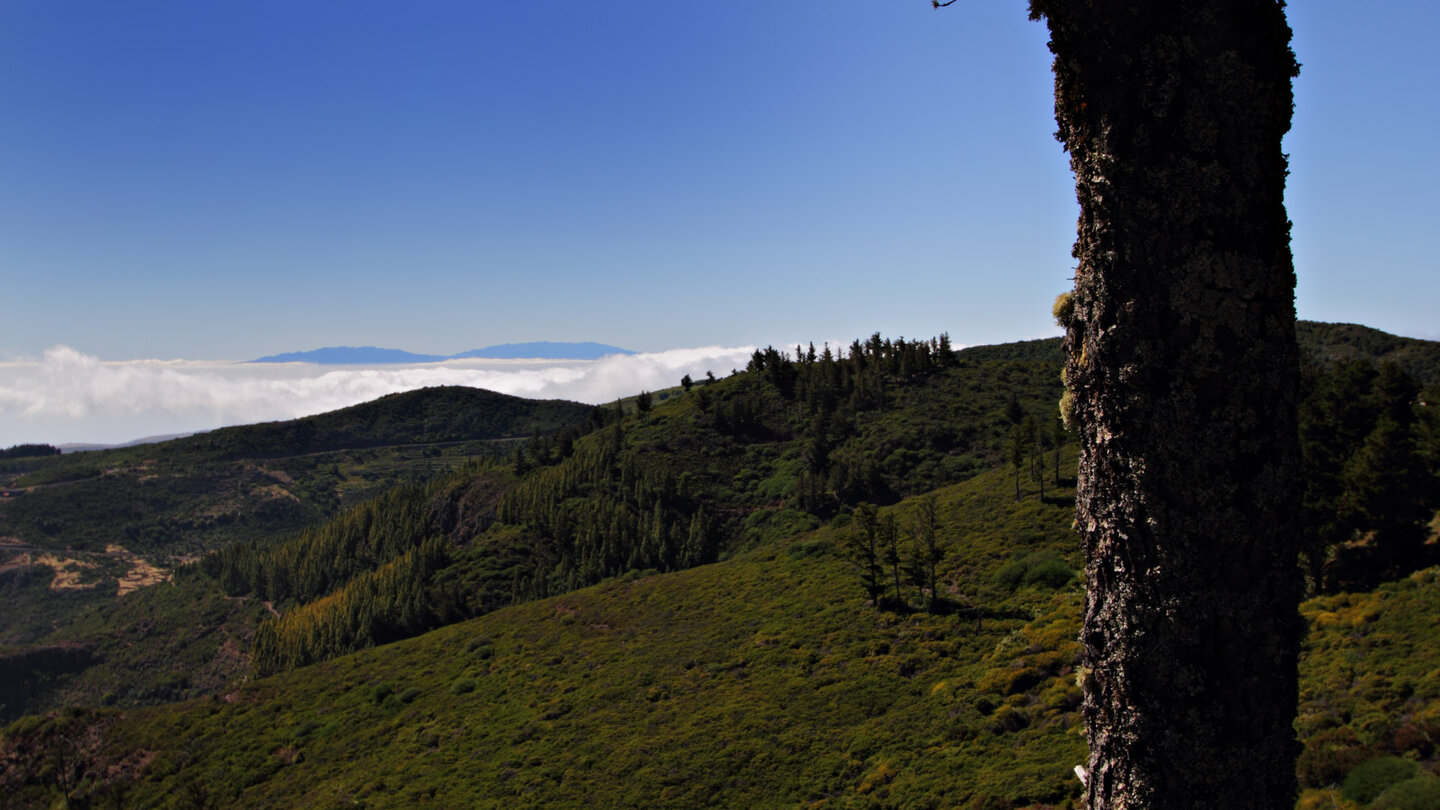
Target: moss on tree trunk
[1183, 366]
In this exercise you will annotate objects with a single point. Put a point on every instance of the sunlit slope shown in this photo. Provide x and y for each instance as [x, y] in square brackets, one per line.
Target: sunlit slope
[764, 680]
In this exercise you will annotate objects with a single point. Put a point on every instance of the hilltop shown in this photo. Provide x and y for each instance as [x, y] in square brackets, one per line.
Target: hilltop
[187, 495]
[1337, 342]
[88, 532]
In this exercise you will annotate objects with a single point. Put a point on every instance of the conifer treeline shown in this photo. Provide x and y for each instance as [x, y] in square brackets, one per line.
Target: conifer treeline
[29, 451]
[312, 563]
[595, 502]
[597, 514]
[825, 380]
[600, 511]
[1370, 444]
[832, 389]
[389, 603]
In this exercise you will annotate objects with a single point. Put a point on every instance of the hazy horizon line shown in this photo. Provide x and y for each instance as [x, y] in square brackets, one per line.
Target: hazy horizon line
[70, 397]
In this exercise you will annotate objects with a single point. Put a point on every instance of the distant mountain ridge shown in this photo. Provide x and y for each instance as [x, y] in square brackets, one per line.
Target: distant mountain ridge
[370, 355]
[1340, 342]
[82, 447]
[544, 350]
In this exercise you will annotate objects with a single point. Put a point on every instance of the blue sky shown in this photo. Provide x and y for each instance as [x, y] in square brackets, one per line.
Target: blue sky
[230, 180]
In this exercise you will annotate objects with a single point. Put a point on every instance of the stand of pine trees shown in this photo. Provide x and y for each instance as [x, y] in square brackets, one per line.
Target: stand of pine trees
[607, 497]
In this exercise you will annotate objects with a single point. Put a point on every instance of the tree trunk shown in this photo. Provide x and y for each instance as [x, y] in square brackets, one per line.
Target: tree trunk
[1182, 361]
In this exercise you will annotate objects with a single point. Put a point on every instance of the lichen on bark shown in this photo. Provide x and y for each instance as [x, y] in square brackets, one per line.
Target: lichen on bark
[1182, 369]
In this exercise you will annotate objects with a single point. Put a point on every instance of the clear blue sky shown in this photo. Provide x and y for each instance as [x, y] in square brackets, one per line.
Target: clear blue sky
[229, 180]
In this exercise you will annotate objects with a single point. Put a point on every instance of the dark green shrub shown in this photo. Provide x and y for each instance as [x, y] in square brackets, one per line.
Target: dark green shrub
[774, 525]
[1051, 572]
[818, 547]
[1010, 575]
[380, 692]
[1021, 680]
[1007, 719]
[1370, 779]
[1039, 569]
[462, 685]
[1420, 793]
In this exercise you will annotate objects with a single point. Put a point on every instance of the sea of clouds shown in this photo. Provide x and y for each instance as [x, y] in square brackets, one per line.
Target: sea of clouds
[70, 397]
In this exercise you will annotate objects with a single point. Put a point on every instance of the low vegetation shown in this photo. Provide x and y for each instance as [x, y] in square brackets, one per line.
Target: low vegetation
[763, 680]
[839, 578]
[78, 527]
[767, 679]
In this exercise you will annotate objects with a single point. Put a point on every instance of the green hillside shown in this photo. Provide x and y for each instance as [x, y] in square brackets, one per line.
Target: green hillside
[756, 457]
[795, 441]
[428, 416]
[92, 531]
[190, 495]
[693, 477]
[693, 595]
[765, 680]
[1338, 342]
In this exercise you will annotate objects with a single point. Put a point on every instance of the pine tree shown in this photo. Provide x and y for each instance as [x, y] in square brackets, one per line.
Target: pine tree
[1182, 367]
[1017, 454]
[890, 547]
[1386, 488]
[862, 548]
[926, 553]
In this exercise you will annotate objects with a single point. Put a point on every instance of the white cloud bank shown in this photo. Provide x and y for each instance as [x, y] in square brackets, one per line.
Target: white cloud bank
[69, 397]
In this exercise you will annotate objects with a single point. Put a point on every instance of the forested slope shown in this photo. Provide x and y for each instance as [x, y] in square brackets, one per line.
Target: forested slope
[91, 533]
[765, 473]
[769, 679]
[764, 680]
[801, 438]
[795, 441]
[1336, 342]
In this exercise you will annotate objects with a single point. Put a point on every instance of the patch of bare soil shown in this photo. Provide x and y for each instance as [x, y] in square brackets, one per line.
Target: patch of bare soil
[273, 493]
[141, 573]
[68, 572]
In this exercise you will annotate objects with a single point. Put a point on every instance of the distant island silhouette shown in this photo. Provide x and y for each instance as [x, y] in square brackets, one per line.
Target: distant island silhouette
[371, 355]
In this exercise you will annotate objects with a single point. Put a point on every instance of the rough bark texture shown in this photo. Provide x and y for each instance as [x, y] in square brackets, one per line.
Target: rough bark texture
[1183, 365]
